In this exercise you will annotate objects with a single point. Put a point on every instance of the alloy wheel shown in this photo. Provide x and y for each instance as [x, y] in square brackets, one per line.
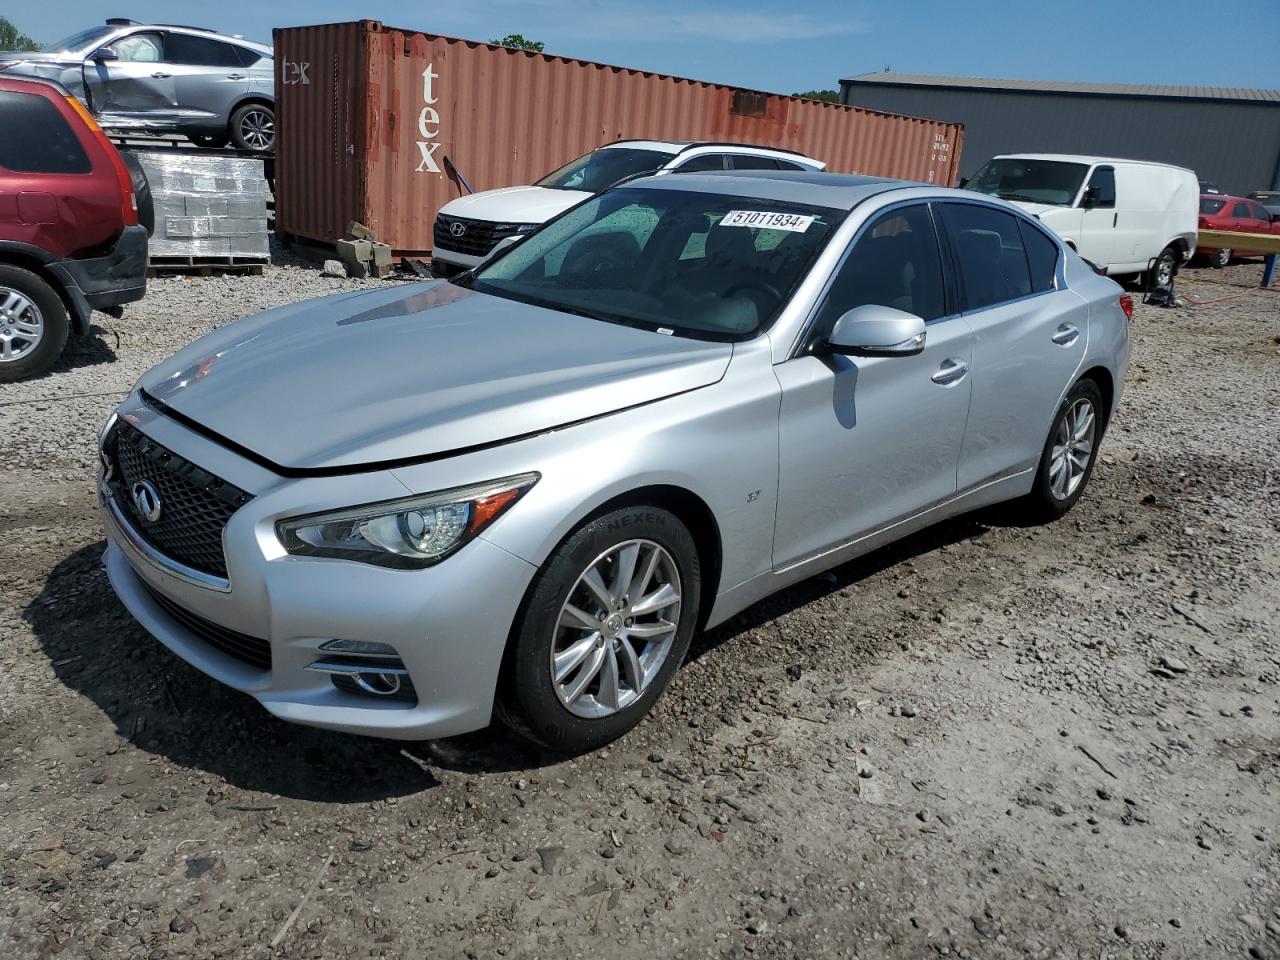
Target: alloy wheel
[615, 629]
[258, 129]
[21, 325]
[1164, 272]
[1072, 449]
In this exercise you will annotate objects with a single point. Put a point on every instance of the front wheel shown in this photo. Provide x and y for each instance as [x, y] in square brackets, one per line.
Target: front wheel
[1066, 462]
[604, 628]
[253, 128]
[1164, 269]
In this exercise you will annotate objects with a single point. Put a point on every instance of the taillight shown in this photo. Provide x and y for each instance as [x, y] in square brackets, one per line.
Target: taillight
[1126, 304]
[1204, 223]
[128, 202]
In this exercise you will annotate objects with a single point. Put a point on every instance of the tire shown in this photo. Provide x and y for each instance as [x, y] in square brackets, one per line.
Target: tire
[141, 192]
[1049, 498]
[211, 141]
[1163, 270]
[28, 305]
[1219, 259]
[253, 128]
[554, 619]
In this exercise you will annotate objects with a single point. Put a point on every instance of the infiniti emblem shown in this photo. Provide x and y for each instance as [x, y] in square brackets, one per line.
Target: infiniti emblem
[146, 500]
[457, 229]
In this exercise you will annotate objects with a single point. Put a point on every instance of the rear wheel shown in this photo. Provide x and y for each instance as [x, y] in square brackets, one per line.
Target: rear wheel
[212, 141]
[605, 627]
[1219, 259]
[1163, 270]
[253, 128]
[1069, 453]
[33, 324]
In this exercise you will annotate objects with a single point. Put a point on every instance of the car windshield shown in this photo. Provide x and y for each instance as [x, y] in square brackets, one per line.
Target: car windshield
[1211, 206]
[1033, 181]
[601, 169]
[679, 262]
[78, 41]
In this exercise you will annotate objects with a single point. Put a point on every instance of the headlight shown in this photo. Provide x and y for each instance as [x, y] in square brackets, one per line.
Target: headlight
[405, 534]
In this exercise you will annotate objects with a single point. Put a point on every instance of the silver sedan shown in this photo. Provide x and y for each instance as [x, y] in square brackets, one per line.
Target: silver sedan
[520, 493]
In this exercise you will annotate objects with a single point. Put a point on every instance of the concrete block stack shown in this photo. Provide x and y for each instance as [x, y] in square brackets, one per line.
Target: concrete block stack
[207, 207]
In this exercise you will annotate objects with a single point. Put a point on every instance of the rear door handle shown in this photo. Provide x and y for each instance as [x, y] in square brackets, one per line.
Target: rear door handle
[951, 372]
[1066, 335]
[161, 76]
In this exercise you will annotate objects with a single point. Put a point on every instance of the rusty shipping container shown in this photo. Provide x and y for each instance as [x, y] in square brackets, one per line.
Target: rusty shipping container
[367, 116]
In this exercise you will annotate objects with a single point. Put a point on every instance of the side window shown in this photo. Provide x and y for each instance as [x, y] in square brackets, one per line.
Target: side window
[789, 165]
[139, 48]
[246, 56]
[894, 263]
[989, 253]
[745, 161]
[1240, 210]
[47, 145]
[1102, 187]
[708, 161]
[1260, 212]
[200, 51]
[1042, 257]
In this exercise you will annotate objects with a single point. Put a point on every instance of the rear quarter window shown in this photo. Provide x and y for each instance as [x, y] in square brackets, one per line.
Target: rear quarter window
[47, 144]
[1042, 258]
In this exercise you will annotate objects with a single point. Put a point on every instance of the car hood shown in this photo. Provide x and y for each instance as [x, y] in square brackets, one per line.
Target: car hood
[514, 204]
[7, 56]
[392, 375]
[1039, 209]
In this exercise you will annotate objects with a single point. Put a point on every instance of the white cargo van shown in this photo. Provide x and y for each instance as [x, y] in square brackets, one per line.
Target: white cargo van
[1129, 216]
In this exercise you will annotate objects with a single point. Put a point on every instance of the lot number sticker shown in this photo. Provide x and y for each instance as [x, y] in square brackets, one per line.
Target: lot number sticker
[763, 220]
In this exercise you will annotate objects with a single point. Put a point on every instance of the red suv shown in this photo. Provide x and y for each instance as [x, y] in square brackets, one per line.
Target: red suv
[70, 240]
[1221, 212]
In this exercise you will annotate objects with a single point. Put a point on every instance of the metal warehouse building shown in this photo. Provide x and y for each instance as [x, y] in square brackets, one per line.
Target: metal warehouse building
[1228, 135]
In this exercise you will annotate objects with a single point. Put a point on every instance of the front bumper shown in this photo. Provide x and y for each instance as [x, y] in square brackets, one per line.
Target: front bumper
[449, 623]
[100, 283]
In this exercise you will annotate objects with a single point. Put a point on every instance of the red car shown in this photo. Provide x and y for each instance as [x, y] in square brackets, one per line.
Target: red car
[70, 240]
[1221, 212]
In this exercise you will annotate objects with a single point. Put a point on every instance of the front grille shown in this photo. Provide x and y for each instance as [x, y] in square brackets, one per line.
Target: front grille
[195, 505]
[478, 236]
[254, 651]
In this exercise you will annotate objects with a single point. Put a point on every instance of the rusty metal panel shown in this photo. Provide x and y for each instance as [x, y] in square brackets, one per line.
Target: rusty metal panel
[367, 136]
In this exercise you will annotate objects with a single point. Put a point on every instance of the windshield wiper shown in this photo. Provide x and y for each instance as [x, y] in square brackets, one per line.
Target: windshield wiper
[1024, 198]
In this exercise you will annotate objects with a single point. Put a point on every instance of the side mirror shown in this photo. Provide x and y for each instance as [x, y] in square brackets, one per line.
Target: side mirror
[1090, 198]
[105, 55]
[876, 331]
[962, 183]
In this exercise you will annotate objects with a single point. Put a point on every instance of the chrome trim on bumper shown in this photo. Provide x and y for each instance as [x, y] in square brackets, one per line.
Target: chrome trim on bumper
[353, 669]
[153, 556]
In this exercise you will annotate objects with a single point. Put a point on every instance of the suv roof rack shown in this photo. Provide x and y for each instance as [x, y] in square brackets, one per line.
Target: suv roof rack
[120, 22]
[186, 26]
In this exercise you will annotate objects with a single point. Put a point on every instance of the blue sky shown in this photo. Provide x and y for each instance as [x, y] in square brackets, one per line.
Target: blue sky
[797, 44]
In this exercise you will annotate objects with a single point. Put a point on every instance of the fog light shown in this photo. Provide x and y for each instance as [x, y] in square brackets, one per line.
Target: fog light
[379, 684]
[373, 675]
[359, 648]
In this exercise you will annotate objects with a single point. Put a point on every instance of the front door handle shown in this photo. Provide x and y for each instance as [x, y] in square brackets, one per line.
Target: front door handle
[951, 372]
[1066, 335]
[161, 76]
[235, 76]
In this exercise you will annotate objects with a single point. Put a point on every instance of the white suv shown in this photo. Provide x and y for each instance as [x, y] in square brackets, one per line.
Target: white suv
[468, 228]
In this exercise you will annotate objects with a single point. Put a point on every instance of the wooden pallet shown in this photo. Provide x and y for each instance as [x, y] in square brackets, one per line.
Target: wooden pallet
[206, 266]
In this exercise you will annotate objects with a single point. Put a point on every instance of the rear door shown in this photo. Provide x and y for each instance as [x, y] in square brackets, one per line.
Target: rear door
[865, 441]
[138, 85]
[1029, 336]
[208, 75]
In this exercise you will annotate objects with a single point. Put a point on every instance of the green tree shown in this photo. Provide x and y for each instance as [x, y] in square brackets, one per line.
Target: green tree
[11, 39]
[517, 42]
[830, 96]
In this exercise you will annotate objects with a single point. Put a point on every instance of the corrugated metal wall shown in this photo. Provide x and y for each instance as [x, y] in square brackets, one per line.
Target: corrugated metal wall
[1234, 144]
[365, 137]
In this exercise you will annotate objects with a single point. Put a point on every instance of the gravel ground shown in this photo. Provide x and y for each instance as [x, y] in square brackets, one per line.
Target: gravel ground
[986, 741]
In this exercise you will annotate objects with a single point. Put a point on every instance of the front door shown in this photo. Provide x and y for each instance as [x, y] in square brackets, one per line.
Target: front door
[866, 441]
[136, 86]
[1099, 218]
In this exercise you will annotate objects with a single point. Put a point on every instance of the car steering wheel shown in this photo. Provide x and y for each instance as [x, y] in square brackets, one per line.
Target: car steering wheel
[761, 285]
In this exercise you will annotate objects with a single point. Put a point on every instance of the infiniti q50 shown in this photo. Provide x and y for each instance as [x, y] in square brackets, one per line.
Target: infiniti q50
[401, 512]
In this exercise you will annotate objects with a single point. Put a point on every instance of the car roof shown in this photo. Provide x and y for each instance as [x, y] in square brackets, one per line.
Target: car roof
[1081, 158]
[680, 146]
[841, 191]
